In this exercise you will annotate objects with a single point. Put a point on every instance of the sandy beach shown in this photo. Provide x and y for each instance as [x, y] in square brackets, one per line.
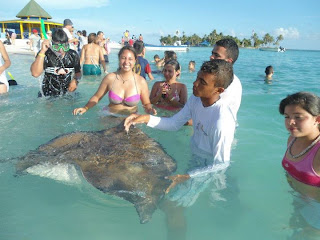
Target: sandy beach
[20, 47]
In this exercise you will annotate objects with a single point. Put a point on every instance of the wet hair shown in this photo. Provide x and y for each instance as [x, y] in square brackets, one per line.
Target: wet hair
[99, 33]
[156, 56]
[138, 46]
[59, 36]
[221, 69]
[127, 48]
[231, 47]
[192, 62]
[174, 63]
[169, 55]
[269, 70]
[92, 37]
[306, 100]
[84, 33]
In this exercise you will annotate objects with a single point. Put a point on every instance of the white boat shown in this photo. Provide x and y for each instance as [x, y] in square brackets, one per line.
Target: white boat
[151, 47]
[178, 48]
[270, 49]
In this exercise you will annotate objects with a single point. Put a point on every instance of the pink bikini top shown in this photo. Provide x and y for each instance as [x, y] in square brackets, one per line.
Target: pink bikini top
[303, 169]
[131, 101]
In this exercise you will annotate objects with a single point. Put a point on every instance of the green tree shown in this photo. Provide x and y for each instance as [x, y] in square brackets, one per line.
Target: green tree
[267, 39]
[278, 40]
[256, 41]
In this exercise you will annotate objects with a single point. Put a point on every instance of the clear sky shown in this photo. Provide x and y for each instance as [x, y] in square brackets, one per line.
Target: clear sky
[298, 21]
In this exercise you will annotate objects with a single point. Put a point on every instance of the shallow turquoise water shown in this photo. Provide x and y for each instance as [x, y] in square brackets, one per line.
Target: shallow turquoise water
[257, 202]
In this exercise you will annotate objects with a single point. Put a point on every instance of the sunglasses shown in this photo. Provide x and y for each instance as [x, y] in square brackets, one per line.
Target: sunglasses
[64, 46]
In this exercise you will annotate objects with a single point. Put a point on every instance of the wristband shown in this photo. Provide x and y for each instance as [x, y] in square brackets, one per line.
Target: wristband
[41, 55]
[86, 108]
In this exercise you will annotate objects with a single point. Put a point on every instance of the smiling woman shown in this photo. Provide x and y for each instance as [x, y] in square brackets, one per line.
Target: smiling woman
[125, 88]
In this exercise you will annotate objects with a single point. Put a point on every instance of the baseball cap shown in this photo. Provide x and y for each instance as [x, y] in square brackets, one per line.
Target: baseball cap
[67, 22]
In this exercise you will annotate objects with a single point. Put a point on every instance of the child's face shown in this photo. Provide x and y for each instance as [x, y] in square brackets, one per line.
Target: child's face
[191, 66]
[299, 122]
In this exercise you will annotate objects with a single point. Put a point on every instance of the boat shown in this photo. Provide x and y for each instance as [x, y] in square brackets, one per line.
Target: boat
[151, 47]
[275, 49]
[176, 48]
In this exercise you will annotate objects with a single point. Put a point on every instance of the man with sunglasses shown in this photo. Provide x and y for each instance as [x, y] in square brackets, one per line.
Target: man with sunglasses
[60, 63]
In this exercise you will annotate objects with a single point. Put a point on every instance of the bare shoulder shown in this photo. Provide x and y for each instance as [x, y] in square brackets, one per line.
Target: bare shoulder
[110, 77]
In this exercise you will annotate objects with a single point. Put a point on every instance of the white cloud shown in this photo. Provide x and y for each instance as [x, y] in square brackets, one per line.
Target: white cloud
[290, 33]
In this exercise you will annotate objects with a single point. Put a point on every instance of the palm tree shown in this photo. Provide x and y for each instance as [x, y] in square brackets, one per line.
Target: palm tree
[267, 39]
[278, 39]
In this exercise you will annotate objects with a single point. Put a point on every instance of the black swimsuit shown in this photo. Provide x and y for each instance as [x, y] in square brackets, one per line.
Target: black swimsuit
[54, 84]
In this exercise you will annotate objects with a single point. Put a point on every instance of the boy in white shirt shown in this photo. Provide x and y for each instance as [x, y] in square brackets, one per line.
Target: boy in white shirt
[213, 119]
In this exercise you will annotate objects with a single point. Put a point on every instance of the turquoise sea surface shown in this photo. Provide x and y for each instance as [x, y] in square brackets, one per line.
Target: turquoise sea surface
[252, 200]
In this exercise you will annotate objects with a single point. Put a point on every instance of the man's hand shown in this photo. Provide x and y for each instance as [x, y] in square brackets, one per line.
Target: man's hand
[134, 119]
[45, 45]
[176, 180]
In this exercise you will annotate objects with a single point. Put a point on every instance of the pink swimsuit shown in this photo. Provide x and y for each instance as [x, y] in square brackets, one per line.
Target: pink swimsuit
[131, 101]
[303, 169]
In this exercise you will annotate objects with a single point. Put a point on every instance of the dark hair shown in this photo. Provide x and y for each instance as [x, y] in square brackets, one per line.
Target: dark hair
[174, 63]
[59, 36]
[306, 100]
[127, 48]
[99, 32]
[192, 62]
[231, 47]
[156, 56]
[169, 55]
[92, 37]
[79, 32]
[84, 33]
[221, 69]
[269, 70]
[138, 46]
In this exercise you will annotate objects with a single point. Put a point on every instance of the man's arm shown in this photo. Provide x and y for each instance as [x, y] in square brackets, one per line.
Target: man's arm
[37, 65]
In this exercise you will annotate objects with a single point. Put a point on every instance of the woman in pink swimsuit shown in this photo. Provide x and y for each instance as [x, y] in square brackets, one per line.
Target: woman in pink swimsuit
[169, 94]
[302, 118]
[124, 87]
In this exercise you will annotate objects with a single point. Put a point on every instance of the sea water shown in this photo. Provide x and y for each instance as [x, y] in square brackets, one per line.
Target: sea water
[254, 200]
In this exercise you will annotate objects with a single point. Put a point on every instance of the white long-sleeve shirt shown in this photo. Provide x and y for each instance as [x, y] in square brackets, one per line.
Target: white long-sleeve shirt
[232, 95]
[213, 127]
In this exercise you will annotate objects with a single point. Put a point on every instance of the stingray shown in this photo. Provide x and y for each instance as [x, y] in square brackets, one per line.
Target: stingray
[132, 166]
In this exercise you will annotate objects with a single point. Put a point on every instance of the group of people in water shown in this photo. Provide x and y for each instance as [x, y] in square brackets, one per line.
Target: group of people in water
[211, 109]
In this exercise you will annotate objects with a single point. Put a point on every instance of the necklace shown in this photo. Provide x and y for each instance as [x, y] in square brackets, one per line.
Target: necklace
[304, 151]
[123, 81]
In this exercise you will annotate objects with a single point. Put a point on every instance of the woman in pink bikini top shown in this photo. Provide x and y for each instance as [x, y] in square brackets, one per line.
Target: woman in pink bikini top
[124, 87]
[302, 118]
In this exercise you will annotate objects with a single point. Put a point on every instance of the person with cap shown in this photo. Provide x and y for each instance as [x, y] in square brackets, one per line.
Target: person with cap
[61, 66]
[35, 41]
[142, 66]
[68, 28]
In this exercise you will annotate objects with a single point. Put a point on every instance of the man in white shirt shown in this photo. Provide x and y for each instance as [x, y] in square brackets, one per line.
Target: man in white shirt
[227, 49]
[213, 119]
[67, 28]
